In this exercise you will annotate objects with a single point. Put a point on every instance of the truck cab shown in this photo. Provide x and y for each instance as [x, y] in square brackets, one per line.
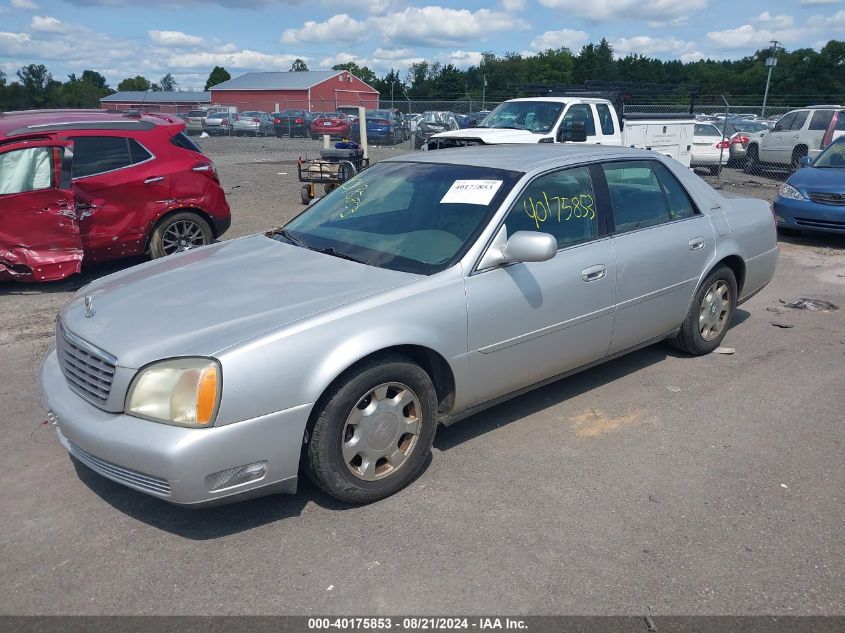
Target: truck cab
[574, 120]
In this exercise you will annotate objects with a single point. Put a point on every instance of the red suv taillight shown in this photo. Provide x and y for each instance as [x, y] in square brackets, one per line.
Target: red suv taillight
[207, 169]
[739, 140]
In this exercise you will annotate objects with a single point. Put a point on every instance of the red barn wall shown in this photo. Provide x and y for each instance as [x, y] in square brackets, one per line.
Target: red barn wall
[261, 100]
[340, 91]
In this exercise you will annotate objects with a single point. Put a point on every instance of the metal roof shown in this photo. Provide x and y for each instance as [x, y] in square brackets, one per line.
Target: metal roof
[139, 96]
[278, 81]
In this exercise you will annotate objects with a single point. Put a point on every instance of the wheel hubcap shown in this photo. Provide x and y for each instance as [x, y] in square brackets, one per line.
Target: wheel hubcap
[381, 431]
[182, 236]
[715, 307]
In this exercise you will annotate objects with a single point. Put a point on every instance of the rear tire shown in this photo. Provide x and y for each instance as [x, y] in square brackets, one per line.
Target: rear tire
[715, 170]
[305, 194]
[179, 232]
[373, 431]
[752, 160]
[797, 154]
[710, 314]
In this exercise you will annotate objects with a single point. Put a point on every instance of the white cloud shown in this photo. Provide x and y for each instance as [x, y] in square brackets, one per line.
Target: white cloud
[651, 46]
[47, 24]
[513, 5]
[748, 37]
[174, 38]
[564, 38]
[604, 10]
[392, 53]
[239, 60]
[836, 21]
[460, 59]
[775, 21]
[338, 28]
[815, 3]
[26, 5]
[440, 26]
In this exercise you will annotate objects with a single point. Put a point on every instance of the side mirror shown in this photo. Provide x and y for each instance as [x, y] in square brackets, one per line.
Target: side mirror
[575, 132]
[805, 161]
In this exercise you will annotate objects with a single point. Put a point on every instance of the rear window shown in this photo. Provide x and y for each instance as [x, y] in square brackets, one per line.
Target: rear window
[99, 154]
[183, 140]
[821, 119]
[707, 130]
[196, 113]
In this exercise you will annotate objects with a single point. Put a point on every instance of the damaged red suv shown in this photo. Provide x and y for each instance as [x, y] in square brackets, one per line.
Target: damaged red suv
[87, 185]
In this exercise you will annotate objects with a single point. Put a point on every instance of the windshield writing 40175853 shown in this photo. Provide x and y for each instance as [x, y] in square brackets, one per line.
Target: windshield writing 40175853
[562, 208]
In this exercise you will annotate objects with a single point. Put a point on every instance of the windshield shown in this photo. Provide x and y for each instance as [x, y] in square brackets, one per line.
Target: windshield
[535, 116]
[833, 156]
[412, 217]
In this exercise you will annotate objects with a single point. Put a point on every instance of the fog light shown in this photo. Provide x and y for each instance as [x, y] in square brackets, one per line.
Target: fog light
[235, 476]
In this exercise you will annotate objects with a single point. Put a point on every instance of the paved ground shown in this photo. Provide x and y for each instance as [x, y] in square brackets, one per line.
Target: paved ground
[656, 483]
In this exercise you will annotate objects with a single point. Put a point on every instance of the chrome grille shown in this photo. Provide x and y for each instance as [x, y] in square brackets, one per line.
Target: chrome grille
[89, 371]
[822, 197]
[125, 476]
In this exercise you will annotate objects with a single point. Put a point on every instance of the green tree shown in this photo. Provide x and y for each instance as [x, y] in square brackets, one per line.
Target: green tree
[168, 83]
[361, 72]
[217, 76]
[37, 83]
[137, 83]
[83, 92]
[298, 66]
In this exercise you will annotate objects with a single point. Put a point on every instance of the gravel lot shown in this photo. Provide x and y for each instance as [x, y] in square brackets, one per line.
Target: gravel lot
[656, 483]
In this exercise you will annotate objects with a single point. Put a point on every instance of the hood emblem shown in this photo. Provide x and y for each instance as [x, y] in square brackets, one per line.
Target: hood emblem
[89, 307]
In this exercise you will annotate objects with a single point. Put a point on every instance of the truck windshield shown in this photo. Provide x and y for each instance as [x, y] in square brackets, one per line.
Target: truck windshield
[412, 217]
[535, 116]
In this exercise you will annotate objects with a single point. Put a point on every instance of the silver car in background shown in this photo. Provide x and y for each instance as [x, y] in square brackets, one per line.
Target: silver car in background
[219, 123]
[194, 121]
[426, 288]
[253, 124]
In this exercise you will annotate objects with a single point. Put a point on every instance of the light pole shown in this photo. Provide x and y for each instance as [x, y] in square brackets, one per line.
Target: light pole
[484, 93]
[392, 83]
[771, 62]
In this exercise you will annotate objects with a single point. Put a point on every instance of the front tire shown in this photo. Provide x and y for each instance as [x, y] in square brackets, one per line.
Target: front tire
[752, 160]
[710, 314]
[374, 431]
[179, 232]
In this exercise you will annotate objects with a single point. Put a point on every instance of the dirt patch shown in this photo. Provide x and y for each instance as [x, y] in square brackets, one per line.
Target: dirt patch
[595, 422]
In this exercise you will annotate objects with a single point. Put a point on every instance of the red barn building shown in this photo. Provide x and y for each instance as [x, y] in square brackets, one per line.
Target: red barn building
[174, 102]
[315, 91]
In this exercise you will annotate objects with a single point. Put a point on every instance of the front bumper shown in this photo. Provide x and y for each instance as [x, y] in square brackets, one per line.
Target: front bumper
[171, 462]
[806, 215]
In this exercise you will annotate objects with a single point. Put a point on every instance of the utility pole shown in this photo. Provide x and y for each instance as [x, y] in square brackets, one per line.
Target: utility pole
[771, 62]
[484, 93]
[392, 83]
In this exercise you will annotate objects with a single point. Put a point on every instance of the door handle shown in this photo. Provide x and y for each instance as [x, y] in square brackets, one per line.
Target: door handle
[594, 273]
[696, 243]
[153, 179]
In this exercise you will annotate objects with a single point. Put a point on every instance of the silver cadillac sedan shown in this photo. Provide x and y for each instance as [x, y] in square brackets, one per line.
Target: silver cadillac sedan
[426, 288]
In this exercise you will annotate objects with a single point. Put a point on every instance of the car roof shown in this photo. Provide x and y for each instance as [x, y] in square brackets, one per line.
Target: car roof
[28, 122]
[525, 157]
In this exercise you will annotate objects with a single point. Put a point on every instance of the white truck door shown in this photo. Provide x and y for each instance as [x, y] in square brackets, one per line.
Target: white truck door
[582, 112]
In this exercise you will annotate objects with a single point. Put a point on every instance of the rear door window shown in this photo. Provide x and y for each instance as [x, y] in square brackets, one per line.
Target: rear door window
[605, 118]
[636, 195]
[798, 121]
[99, 154]
[137, 152]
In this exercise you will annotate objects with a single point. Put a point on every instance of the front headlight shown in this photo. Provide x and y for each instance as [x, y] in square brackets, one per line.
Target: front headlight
[180, 391]
[790, 192]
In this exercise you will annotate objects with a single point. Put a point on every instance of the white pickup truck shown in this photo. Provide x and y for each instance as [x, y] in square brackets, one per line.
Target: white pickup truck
[574, 120]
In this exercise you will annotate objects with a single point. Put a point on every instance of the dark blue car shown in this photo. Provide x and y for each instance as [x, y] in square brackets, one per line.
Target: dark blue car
[382, 126]
[813, 199]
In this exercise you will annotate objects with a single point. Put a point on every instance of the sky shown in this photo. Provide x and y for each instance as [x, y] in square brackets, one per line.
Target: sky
[123, 38]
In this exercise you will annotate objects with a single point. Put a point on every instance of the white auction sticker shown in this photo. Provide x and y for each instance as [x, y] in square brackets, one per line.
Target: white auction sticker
[471, 192]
